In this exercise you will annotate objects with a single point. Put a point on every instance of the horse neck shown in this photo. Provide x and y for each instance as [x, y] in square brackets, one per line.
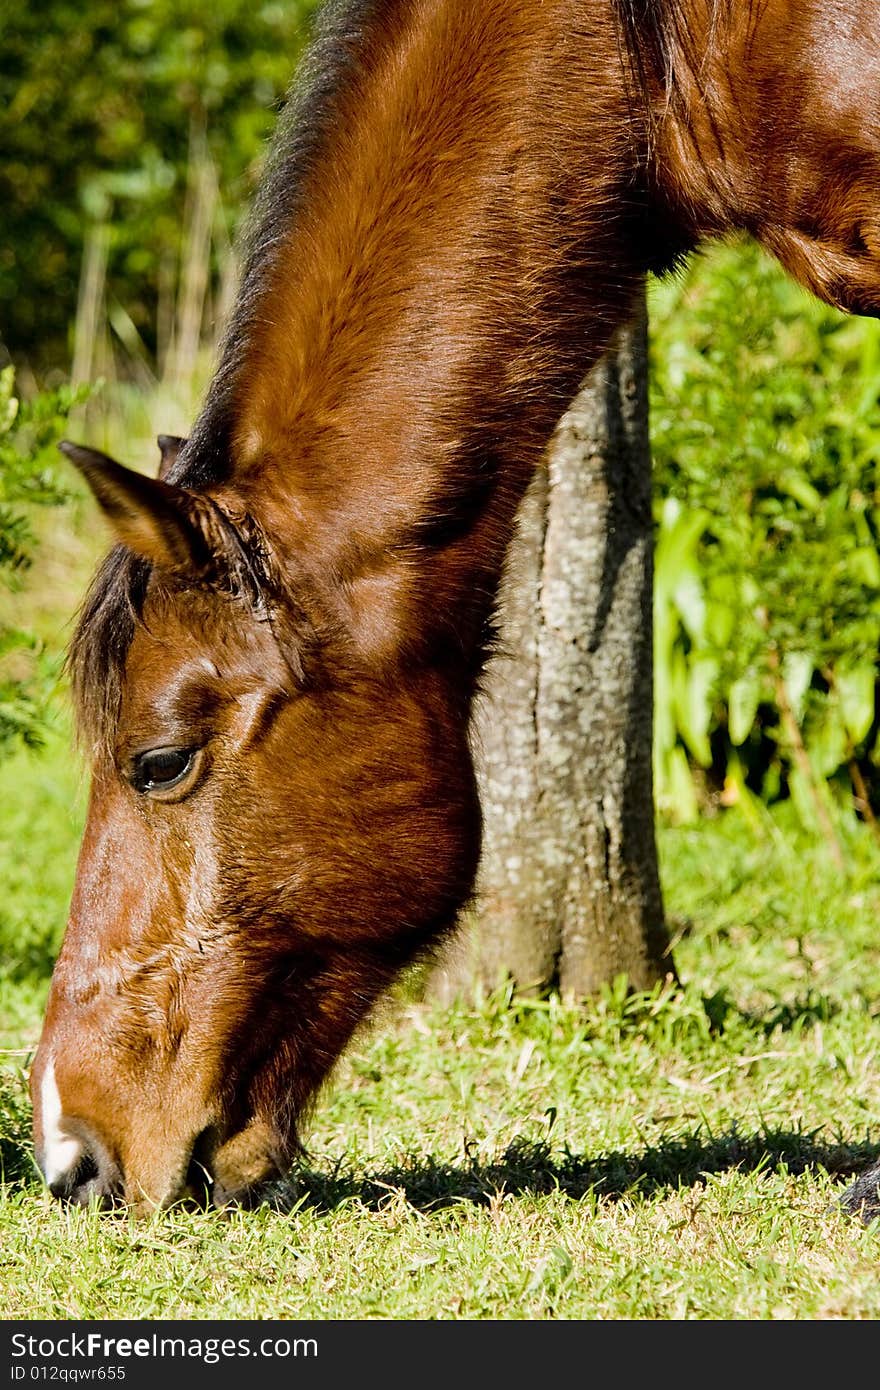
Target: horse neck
[463, 248]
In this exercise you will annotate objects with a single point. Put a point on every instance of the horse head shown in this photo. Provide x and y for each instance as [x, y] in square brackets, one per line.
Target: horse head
[273, 831]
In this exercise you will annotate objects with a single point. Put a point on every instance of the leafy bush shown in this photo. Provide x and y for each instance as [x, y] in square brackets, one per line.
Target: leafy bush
[30, 476]
[766, 437]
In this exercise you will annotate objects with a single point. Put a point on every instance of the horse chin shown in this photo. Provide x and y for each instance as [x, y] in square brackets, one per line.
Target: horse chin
[241, 1168]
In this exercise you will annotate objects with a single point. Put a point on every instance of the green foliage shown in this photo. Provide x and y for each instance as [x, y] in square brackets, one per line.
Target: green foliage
[766, 437]
[30, 477]
[98, 104]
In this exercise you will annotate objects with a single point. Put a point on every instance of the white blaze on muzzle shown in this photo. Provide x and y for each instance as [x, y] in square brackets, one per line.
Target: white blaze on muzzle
[61, 1150]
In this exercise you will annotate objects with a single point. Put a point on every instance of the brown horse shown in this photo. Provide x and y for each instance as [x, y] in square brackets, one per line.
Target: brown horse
[275, 666]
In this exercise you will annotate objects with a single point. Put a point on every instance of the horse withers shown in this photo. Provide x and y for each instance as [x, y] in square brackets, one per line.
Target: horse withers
[275, 667]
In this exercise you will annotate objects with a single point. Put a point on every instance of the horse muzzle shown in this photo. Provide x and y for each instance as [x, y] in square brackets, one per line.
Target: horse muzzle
[80, 1167]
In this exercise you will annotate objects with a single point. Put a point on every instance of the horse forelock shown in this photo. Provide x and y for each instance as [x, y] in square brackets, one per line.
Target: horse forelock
[98, 650]
[114, 606]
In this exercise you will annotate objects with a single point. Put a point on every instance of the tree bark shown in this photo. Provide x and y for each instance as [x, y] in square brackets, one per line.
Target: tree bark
[569, 891]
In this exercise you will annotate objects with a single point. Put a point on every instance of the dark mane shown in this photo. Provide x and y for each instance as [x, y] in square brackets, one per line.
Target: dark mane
[329, 68]
[658, 35]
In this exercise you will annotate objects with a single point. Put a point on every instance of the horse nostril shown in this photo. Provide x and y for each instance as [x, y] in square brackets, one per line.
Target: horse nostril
[199, 1174]
[67, 1184]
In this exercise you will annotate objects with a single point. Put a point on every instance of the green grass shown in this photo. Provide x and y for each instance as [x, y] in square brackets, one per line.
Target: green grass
[671, 1156]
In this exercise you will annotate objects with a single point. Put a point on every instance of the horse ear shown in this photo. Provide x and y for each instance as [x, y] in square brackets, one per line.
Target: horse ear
[155, 519]
[170, 446]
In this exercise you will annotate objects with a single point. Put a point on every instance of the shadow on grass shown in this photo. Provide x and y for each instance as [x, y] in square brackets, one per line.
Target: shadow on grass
[781, 1017]
[533, 1169]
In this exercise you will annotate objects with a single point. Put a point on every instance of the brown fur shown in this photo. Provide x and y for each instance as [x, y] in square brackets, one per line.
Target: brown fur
[459, 212]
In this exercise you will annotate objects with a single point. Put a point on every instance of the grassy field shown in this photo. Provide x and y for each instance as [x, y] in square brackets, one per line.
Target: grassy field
[670, 1157]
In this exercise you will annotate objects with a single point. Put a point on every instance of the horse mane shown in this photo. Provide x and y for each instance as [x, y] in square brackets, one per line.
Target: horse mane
[98, 649]
[658, 36]
[327, 72]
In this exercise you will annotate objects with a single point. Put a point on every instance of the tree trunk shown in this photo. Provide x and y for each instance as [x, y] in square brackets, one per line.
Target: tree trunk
[569, 891]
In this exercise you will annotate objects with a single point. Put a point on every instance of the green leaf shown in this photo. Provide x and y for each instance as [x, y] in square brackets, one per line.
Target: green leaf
[8, 402]
[677, 795]
[720, 622]
[827, 744]
[695, 682]
[855, 688]
[691, 604]
[675, 559]
[799, 488]
[797, 673]
[743, 700]
[864, 566]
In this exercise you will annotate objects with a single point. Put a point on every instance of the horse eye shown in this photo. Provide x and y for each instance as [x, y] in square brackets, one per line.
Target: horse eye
[161, 769]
